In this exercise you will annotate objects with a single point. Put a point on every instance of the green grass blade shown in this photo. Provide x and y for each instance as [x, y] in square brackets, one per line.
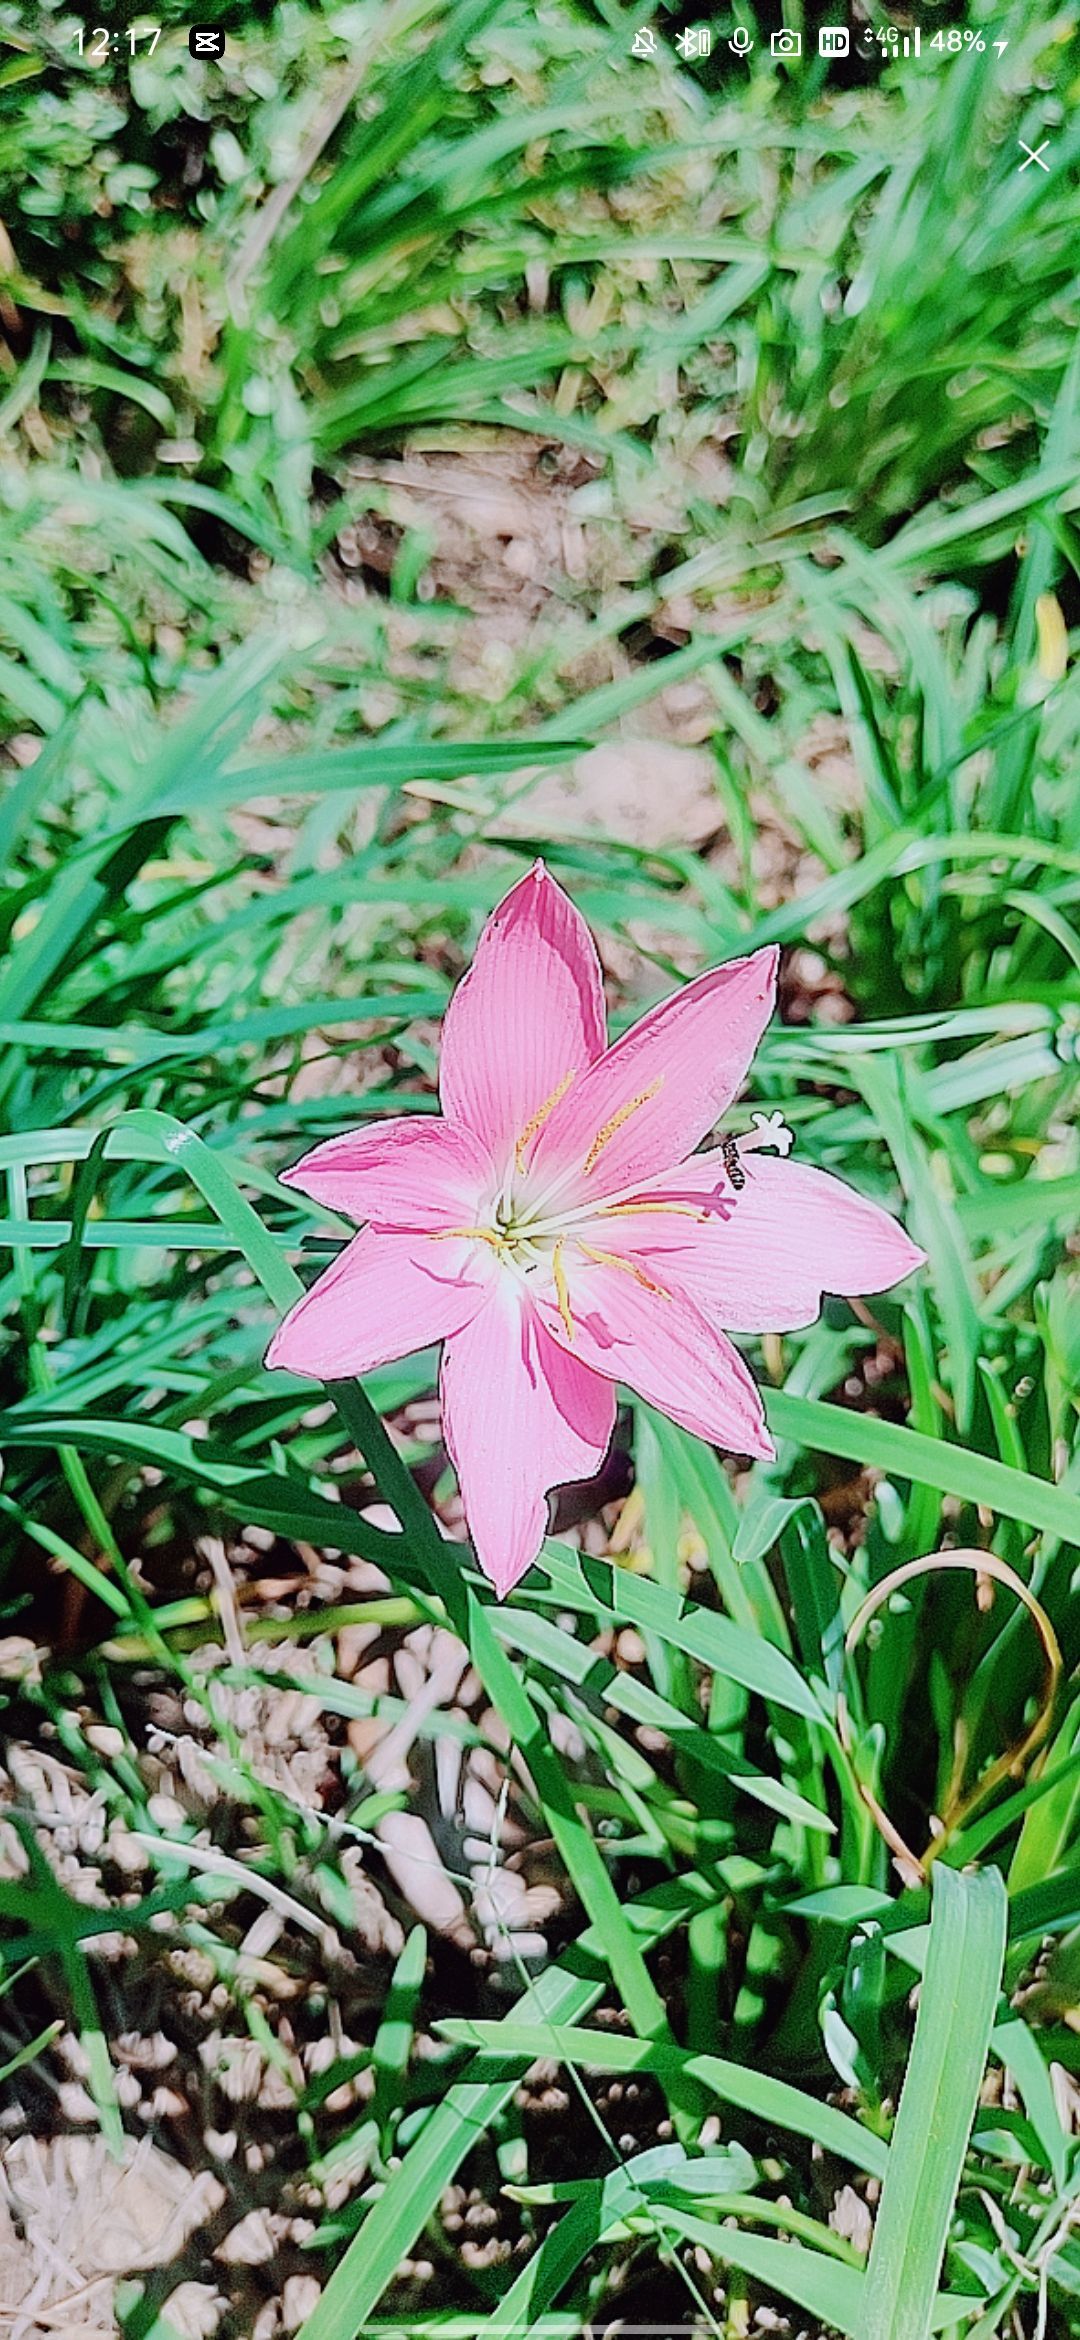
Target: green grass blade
[833, 2294]
[604, 1591]
[937, 2106]
[757, 2093]
[374, 764]
[397, 2025]
[208, 1172]
[930, 1462]
[584, 1862]
[566, 1992]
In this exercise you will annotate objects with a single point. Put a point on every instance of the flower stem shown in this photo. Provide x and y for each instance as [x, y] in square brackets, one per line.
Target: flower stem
[396, 1483]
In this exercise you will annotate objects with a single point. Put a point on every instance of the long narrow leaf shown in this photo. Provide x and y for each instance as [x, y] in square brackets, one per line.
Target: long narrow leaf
[957, 2003]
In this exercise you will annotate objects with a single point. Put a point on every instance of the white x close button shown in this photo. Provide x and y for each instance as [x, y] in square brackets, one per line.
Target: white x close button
[1034, 155]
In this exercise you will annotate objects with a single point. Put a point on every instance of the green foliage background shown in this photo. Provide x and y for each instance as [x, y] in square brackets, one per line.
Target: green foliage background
[244, 831]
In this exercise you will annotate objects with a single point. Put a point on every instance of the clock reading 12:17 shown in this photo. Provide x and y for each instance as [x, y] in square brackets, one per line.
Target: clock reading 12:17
[100, 43]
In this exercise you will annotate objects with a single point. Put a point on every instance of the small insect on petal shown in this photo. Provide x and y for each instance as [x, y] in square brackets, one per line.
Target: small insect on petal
[735, 1172]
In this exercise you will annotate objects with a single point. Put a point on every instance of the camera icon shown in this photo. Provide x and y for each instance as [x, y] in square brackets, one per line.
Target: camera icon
[786, 43]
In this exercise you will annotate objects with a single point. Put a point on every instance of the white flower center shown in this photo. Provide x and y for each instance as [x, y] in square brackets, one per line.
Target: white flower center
[528, 1223]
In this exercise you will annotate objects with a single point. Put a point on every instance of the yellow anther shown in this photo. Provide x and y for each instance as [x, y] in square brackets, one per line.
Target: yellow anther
[629, 1267]
[539, 1118]
[562, 1289]
[616, 1122]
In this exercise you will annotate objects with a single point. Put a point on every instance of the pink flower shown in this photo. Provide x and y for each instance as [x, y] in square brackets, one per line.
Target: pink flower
[556, 1230]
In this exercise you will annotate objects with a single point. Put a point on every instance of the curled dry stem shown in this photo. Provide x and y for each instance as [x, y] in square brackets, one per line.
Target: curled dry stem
[914, 1867]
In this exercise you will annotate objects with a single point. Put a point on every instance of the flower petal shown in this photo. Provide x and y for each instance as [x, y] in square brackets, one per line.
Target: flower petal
[384, 1296]
[632, 1326]
[762, 1262]
[651, 1098]
[528, 1013]
[415, 1172]
[519, 1417]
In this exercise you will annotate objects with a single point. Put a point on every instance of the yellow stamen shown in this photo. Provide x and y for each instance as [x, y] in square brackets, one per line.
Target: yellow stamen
[629, 1210]
[616, 1122]
[629, 1268]
[562, 1289]
[470, 1235]
[539, 1118]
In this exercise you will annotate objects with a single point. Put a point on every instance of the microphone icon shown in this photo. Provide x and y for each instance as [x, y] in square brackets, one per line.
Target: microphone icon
[740, 41]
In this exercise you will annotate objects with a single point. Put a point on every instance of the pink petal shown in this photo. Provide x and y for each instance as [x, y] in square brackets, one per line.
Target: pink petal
[519, 1417]
[529, 1012]
[659, 1343]
[416, 1172]
[384, 1296]
[764, 1260]
[651, 1098]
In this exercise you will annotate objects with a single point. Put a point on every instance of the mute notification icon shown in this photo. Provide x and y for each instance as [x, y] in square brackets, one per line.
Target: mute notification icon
[740, 41]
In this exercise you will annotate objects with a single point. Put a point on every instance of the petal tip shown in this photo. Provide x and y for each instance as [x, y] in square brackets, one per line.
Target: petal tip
[279, 1356]
[906, 1257]
[769, 956]
[758, 968]
[504, 1576]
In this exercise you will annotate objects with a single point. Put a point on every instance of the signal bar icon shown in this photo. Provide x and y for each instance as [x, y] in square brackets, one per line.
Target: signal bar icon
[901, 44]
